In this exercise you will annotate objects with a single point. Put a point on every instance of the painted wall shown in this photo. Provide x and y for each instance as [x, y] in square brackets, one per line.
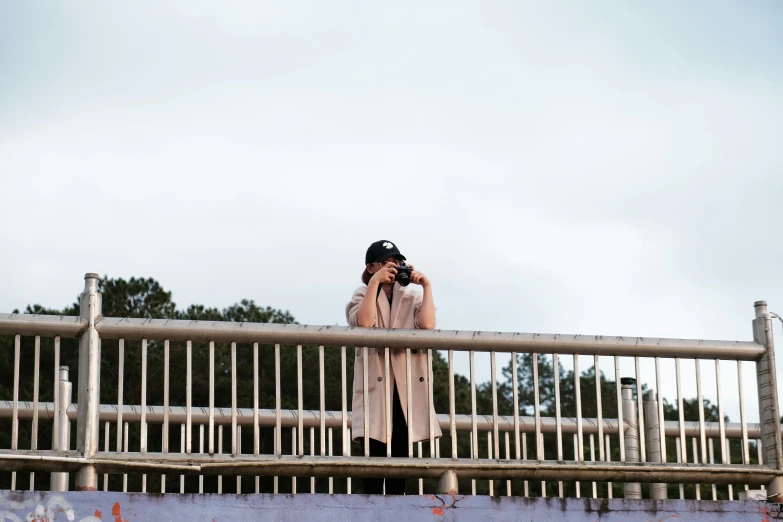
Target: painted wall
[17, 506]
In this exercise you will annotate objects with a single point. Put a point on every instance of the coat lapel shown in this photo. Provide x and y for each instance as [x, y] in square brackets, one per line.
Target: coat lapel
[397, 296]
[382, 305]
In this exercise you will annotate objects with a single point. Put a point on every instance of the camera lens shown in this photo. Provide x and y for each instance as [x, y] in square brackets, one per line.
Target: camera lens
[403, 276]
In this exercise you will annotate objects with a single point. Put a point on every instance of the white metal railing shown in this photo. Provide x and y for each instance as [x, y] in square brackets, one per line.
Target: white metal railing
[642, 442]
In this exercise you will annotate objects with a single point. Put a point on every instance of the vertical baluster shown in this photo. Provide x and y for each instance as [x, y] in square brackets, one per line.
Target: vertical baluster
[576, 458]
[256, 427]
[537, 406]
[696, 460]
[721, 422]
[524, 457]
[366, 396]
[220, 452]
[300, 399]
[165, 435]
[331, 453]
[661, 421]
[387, 401]
[239, 452]
[679, 461]
[472, 481]
[592, 459]
[558, 418]
[346, 436]
[106, 449]
[640, 411]
[201, 452]
[515, 384]
[681, 413]
[56, 386]
[34, 434]
[712, 461]
[409, 399]
[489, 456]
[143, 438]
[293, 452]
[125, 449]
[421, 481]
[745, 444]
[184, 450]
[188, 395]
[431, 403]
[312, 454]
[278, 420]
[495, 435]
[473, 419]
[452, 407]
[211, 397]
[322, 397]
[609, 486]
[599, 408]
[508, 457]
[620, 420]
[15, 410]
[234, 398]
[702, 434]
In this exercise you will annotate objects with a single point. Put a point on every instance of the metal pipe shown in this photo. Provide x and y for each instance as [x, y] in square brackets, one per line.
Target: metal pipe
[256, 429]
[620, 415]
[409, 400]
[493, 377]
[700, 402]
[15, 407]
[387, 403]
[515, 384]
[43, 325]
[300, 398]
[681, 413]
[286, 465]
[473, 418]
[640, 413]
[654, 447]
[59, 480]
[660, 417]
[322, 400]
[558, 420]
[36, 386]
[633, 490]
[293, 334]
[88, 427]
[268, 418]
[452, 406]
[769, 411]
[599, 408]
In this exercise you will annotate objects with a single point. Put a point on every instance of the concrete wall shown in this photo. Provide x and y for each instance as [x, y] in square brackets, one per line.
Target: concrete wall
[128, 507]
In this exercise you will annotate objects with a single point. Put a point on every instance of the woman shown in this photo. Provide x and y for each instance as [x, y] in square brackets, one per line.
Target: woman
[384, 303]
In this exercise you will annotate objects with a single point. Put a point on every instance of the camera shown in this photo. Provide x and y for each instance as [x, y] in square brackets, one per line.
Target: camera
[403, 275]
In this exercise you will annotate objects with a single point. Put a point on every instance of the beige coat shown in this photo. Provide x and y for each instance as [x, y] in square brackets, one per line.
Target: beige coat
[404, 313]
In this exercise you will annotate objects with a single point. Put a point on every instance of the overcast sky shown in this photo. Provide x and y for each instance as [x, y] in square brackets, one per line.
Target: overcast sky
[574, 167]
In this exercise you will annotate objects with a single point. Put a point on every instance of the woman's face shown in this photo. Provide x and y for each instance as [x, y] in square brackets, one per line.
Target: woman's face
[374, 267]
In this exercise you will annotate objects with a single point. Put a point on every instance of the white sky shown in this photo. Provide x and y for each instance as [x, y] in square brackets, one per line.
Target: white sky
[603, 168]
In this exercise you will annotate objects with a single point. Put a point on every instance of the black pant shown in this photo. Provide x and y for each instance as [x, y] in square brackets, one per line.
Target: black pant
[399, 448]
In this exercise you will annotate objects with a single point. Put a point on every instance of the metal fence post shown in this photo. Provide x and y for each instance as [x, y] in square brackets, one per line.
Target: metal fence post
[88, 405]
[59, 480]
[632, 490]
[650, 405]
[769, 412]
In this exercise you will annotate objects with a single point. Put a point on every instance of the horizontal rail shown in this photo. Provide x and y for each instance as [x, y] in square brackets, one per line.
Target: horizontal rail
[333, 419]
[307, 466]
[45, 325]
[294, 334]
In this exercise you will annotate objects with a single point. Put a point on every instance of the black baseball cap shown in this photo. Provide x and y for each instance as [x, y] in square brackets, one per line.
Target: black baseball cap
[381, 251]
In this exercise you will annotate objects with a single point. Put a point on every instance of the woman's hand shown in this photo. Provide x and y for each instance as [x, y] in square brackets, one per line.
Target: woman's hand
[418, 278]
[387, 274]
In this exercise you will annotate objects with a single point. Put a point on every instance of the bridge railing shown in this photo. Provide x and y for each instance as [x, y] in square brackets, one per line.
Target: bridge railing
[530, 454]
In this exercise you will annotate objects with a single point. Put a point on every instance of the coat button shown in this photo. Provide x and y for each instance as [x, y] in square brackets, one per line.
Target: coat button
[414, 351]
[380, 379]
[421, 379]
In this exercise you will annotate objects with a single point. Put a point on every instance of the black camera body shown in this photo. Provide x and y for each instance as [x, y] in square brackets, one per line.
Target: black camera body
[403, 275]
